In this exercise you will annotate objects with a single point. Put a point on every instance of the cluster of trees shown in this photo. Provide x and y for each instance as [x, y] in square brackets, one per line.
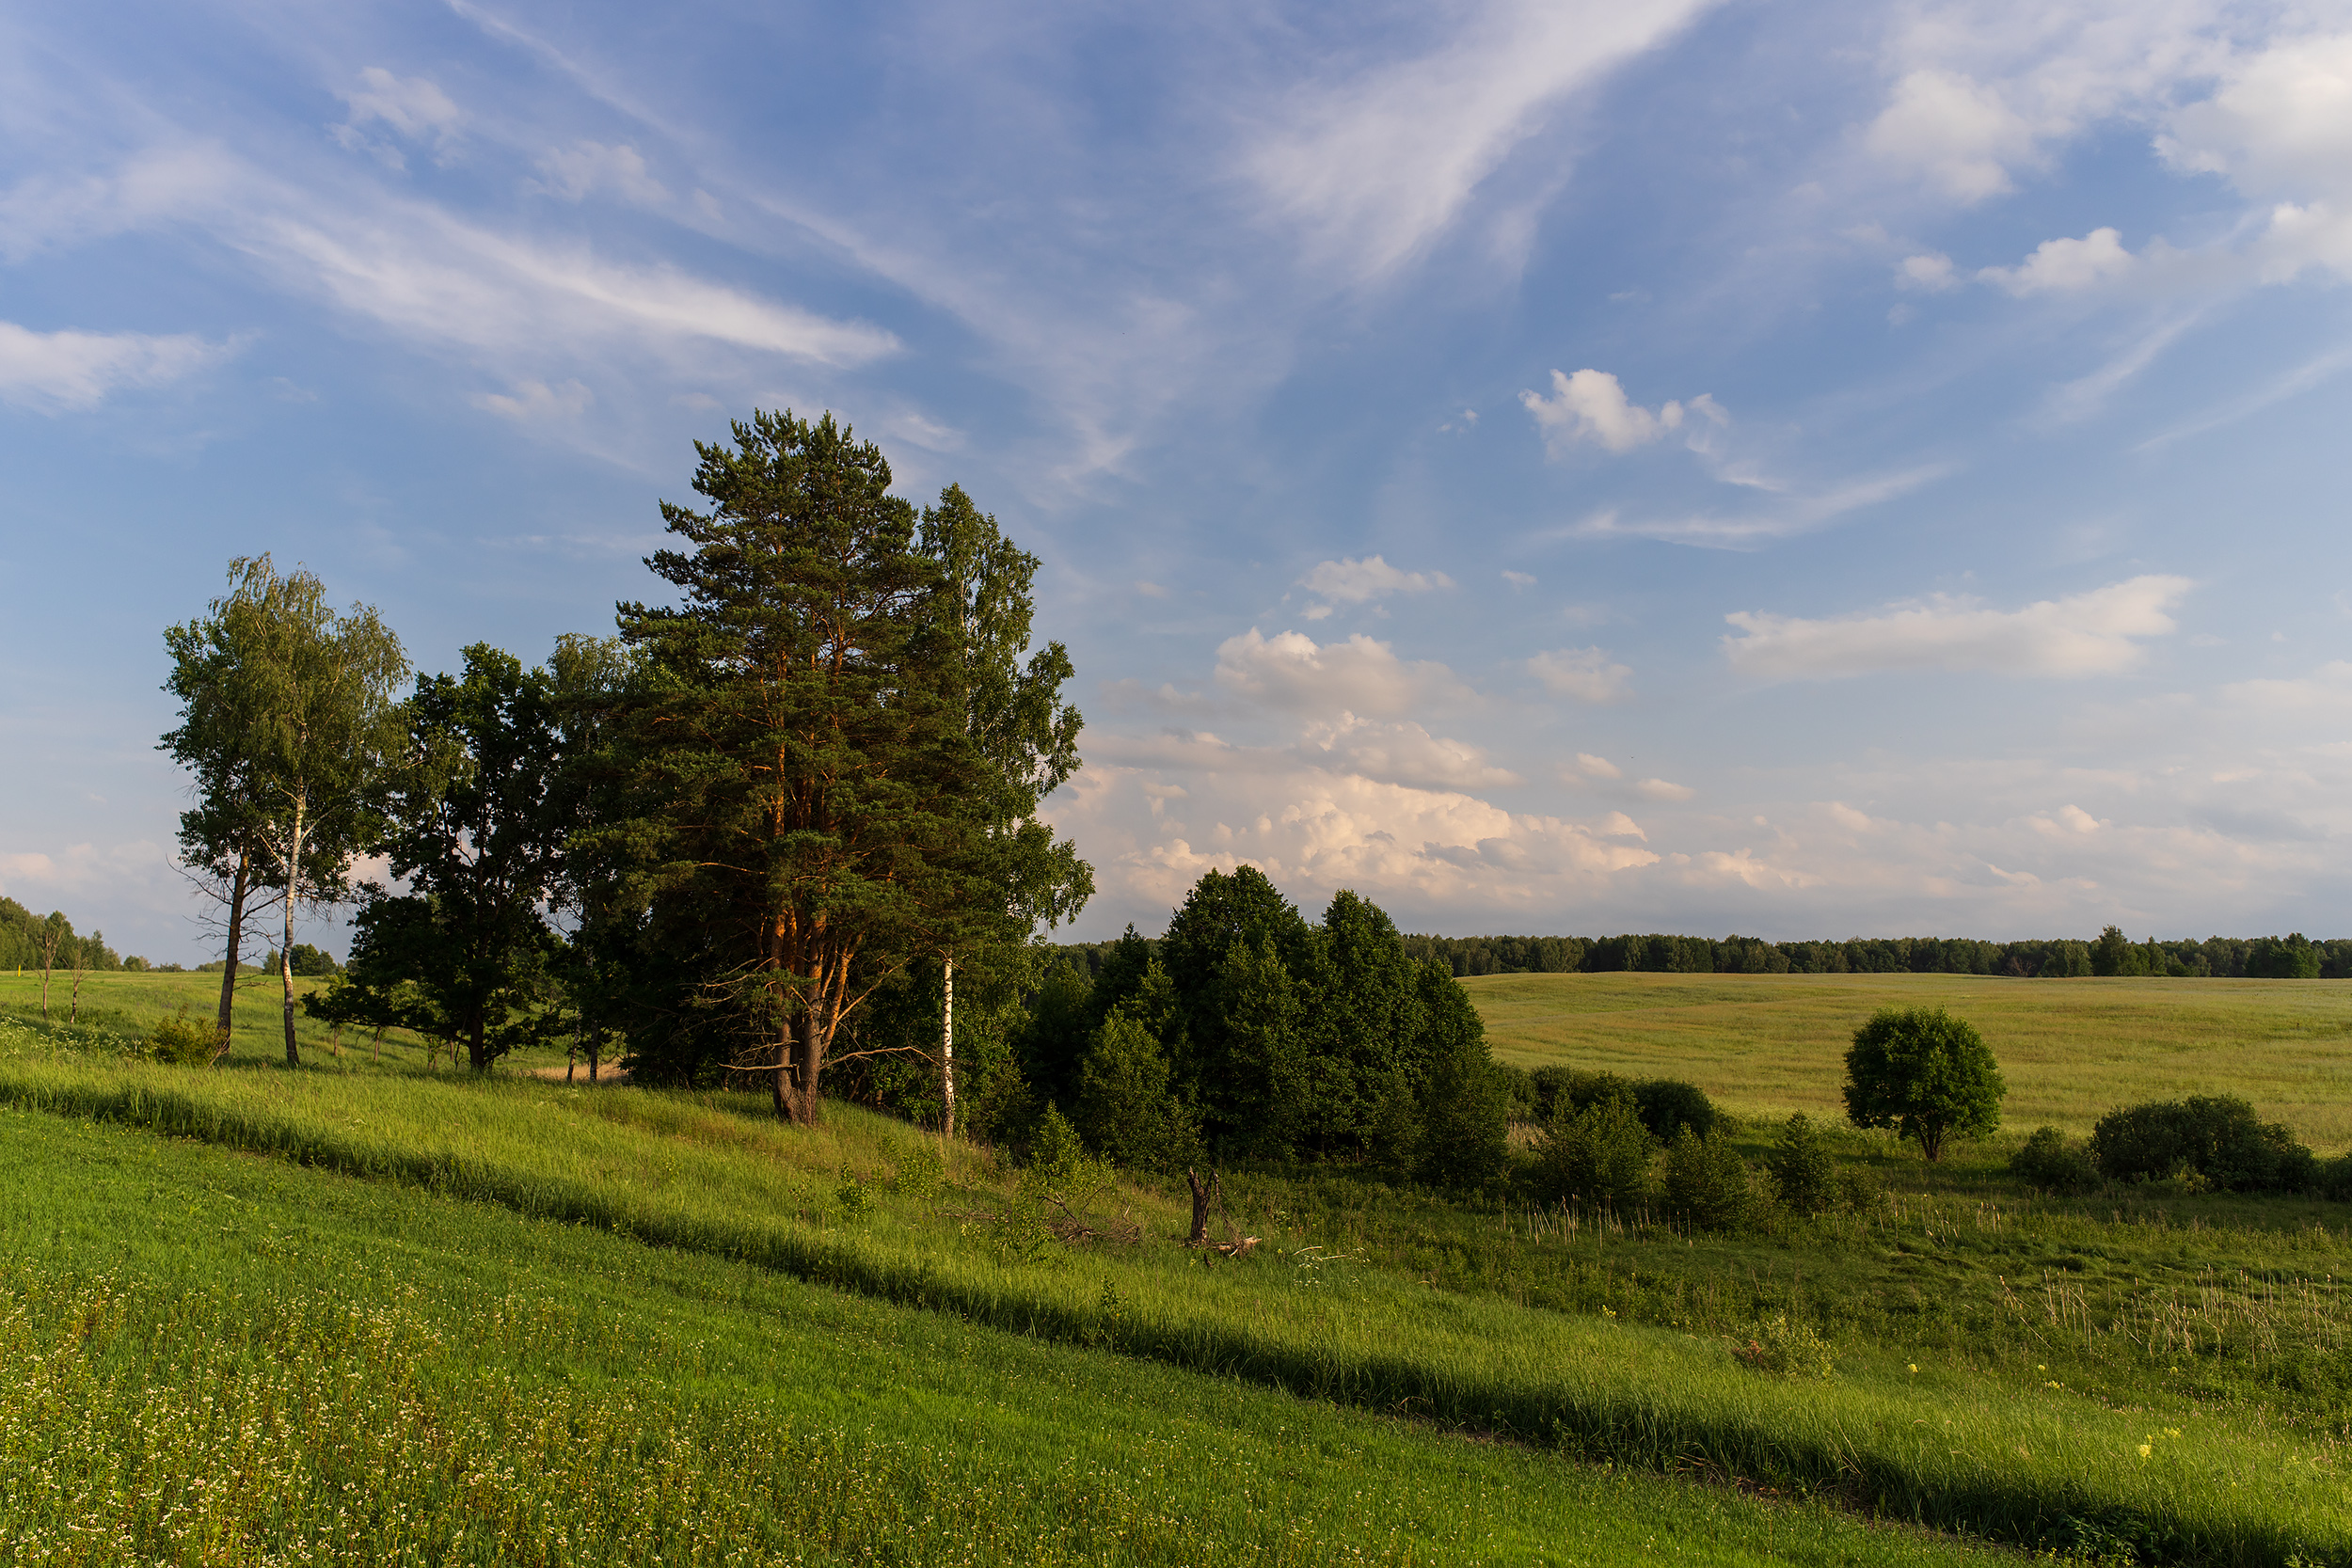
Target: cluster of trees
[1245, 1033]
[710, 841]
[2292, 957]
[29, 942]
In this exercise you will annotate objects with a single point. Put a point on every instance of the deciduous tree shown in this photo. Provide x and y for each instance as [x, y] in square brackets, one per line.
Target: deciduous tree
[1925, 1074]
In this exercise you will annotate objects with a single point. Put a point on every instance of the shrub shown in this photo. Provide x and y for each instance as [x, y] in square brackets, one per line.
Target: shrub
[1785, 1349]
[2217, 1138]
[1926, 1074]
[1801, 1170]
[185, 1041]
[2335, 1178]
[1130, 1115]
[1860, 1189]
[1561, 1092]
[1601, 1154]
[1668, 1105]
[2048, 1161]
[1705, 1182]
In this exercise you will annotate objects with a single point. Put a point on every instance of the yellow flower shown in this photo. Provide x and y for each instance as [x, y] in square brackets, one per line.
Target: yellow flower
[2146, 1449]
[1914, 1366]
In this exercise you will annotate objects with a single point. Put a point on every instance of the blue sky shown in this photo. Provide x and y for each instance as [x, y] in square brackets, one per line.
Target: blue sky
[1793, 469]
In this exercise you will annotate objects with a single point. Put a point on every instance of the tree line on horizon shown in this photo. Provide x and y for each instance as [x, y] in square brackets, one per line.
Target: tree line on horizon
[2287, 958]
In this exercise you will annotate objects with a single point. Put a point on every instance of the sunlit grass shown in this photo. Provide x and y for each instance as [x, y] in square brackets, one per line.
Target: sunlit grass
[2070, 1049]
[206, 1358]
[707, 1174]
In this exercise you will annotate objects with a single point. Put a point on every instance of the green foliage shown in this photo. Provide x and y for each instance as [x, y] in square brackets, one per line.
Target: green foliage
[2114, 955]
[1600, 1155]
[185, 1041]
[2047, 1162]
[30, 941]
[918, 1170]
[1926, 1074]
[1463, 1099]
[1704, 1181]
[1667, 1105]
[2216, 1139]
[2289, 957]
[1787, 1347]
[832, 761]
[1126, 1109]
[314, 963]
[1804, 1173]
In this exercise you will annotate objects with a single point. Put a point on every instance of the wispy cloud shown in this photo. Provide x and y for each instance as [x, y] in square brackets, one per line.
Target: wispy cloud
[2097, 633]
[1792, 515]
[1375, 164]
[50, 372]
[1586, 674]
[1350, 581]
[1591, 406]
[1291, 672]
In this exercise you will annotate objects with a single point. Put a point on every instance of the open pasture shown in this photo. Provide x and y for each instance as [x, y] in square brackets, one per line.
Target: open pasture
[2070, 1049]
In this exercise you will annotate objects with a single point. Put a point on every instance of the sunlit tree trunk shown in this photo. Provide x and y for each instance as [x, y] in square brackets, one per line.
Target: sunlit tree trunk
[285, 948]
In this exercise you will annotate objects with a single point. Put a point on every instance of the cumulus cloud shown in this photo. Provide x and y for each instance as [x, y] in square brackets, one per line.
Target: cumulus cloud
[1957, 132]
[1661, 789]
[1933, 272]
[2326, 692]
[1402, 754]
[1597, 768]
[55, 370]
[2094, 633]
[1292, 673]
[2064, 266]
[1357, 581]
[1591, 405]
[1586, 674]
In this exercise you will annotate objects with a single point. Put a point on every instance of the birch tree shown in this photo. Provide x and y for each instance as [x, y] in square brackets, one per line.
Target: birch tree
[288, 715]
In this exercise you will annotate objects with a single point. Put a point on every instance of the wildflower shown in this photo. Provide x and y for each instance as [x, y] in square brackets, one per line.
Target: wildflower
[1914, 1366]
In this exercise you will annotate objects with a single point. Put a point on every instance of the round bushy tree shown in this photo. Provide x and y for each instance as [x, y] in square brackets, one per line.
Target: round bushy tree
[1926, 1074]
[1802, 1169]
[1601, 1154]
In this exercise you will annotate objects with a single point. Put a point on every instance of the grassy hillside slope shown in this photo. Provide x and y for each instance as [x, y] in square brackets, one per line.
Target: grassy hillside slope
[713, 1177]
[210, 1359]
[2070, 1049]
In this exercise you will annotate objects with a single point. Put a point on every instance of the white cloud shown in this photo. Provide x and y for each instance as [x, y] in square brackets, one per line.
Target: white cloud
[1402, 754]
[536, 402]
[1788, 515]
[1356, 581]
[1660, 789]
[2278, 123]
[1357, 676]
[53, 370]
[1591, 405]
[576, 171]
[1376, 164]
[414, 109]
[1933, 272]
[2325, 693]
[1518, 579]
[1958, 133]
[1584, 673]
[1597, 768]
[2064, 266]
[1150, 589]
[2094, 633]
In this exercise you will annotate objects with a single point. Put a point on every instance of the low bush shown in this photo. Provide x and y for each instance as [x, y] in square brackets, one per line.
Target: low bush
[2335, 1178]
[1803, 1172]
[184, 1041]
[1665, 1105]
[2050, 1164]
[1786, 1347]
[2216, 1138]
[1704, 1182]
[1601, 1154]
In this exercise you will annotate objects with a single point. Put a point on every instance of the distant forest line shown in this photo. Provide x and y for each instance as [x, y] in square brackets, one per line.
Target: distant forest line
[2293, 956]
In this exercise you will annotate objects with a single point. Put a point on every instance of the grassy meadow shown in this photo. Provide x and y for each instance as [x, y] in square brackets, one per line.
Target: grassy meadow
[498, 1307]
[2070, 1049]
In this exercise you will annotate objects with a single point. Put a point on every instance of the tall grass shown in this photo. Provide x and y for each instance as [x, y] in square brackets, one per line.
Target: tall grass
[689, 1172]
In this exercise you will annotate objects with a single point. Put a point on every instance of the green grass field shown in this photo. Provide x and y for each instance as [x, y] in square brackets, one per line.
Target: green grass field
[2149, 1374]
[2070, 1049]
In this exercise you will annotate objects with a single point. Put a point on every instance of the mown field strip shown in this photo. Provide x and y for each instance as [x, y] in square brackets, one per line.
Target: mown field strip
[2032, 1468]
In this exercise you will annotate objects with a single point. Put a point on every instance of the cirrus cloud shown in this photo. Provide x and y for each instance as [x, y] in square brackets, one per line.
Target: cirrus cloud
[55, 370]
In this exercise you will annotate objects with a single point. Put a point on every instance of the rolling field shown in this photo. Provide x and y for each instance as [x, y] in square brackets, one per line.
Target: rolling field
[607, 1326]
[2070, 1049]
